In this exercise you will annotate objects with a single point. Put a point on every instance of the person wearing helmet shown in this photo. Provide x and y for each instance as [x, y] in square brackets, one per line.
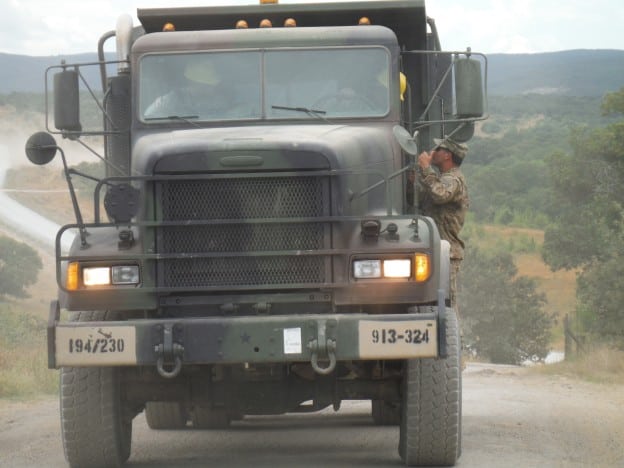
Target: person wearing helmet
[443, 195]
[201, 96]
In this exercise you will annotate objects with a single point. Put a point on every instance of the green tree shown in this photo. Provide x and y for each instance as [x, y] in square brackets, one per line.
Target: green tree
[19, 266]
[587, 232]
[503, 317]
[600, 298]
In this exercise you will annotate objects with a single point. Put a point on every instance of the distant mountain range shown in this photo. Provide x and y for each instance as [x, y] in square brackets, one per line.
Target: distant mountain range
[24, 73]
[570, 73]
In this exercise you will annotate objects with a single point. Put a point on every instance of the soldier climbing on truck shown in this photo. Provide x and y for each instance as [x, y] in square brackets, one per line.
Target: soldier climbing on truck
[260, 259]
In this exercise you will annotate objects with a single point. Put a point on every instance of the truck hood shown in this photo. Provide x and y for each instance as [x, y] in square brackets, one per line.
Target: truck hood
[265, 148]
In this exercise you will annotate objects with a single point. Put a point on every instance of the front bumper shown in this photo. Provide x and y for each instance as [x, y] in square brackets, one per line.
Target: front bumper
[173, 342]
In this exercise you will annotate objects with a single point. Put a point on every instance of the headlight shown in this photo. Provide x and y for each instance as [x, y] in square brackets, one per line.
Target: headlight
[98, 276]
[367, 269]
[127, 274]
[417, 268]
[391, 268]
[101, 276]
[401, 268]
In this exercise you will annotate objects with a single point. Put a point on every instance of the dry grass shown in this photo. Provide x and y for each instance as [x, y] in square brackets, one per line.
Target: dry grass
[559, 286]
[24, 372]
[601, 365]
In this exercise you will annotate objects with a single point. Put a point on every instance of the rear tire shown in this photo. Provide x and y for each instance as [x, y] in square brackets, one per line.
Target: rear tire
[165, 415]
[96, 429]
[430, 431]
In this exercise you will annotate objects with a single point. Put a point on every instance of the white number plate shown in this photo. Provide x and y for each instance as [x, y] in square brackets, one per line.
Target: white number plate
[398, 339]
[95, 346]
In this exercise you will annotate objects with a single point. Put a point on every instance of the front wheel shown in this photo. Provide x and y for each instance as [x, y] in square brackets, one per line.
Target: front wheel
[96, 430]
[430, 430]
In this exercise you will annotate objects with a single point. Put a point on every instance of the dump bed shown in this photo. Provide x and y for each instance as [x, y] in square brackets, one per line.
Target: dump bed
[406, 18]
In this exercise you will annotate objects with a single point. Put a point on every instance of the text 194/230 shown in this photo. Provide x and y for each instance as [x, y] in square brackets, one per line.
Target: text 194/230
[99, 345]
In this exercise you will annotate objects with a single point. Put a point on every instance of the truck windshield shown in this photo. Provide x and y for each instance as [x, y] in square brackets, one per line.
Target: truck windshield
[265, 84]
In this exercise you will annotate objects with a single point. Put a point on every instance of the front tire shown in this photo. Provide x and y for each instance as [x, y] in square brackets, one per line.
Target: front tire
[430, 431]
[96, 430]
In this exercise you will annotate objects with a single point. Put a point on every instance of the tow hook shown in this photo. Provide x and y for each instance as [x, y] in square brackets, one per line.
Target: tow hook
[169, 362]
[323, 347]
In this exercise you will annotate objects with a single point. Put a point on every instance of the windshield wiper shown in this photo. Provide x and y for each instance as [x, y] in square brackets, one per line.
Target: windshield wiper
[313, 112]
[183, 118]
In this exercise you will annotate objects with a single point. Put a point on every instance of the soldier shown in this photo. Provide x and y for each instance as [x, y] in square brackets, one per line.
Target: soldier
[443, 195]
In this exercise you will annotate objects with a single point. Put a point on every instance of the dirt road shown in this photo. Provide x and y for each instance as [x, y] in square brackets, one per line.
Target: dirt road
[512, 418]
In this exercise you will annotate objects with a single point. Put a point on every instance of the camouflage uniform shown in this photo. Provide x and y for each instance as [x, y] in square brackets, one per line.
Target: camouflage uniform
[444, 197]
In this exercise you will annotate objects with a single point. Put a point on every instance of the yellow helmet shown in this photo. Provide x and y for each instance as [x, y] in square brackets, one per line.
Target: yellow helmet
[201, 70]
[402, 85]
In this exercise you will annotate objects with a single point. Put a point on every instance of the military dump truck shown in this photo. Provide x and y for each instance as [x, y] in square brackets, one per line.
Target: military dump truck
[255, 247]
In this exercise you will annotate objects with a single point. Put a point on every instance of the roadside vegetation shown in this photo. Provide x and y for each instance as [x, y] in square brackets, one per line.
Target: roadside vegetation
[602, 364]
[561, 172]
[23, 360]
[505, 319]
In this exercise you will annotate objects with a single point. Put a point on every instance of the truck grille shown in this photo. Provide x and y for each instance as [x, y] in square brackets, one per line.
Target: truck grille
[256, 245]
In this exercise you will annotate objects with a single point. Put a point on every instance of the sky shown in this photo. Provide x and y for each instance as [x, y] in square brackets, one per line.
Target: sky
[61, 27]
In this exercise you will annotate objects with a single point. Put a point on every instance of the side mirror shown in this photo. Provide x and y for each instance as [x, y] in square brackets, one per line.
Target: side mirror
[67, 101]
[462, 131]
[41, 148]
[468, 88]
[405, 140]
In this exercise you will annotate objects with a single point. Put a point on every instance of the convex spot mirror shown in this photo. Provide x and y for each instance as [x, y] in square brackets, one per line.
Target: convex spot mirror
[41, 148]
[405, 140]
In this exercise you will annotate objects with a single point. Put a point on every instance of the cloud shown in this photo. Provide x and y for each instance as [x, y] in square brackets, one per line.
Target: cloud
[43, 27]
[510, 26]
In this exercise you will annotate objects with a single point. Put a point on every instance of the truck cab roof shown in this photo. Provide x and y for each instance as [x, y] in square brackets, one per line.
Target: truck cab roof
[255, 38]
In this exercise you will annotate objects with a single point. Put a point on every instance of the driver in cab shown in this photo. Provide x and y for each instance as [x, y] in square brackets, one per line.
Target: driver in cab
[202, 94]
